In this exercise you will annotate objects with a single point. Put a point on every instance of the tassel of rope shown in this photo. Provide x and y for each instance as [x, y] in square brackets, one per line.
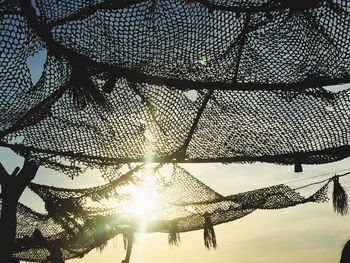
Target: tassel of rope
[174, 236]
[209, 233]
[340, 197]
[84, 91]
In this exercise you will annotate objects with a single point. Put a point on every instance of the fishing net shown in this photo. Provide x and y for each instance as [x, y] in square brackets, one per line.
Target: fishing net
[195, 81]
[30, 246]
[168, 81]
[79, 220]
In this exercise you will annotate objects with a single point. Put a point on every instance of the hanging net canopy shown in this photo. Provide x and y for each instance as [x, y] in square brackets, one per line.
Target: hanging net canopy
[142, 200]
[177, 81]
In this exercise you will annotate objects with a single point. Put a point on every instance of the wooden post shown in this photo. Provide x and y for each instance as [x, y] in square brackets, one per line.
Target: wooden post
[12, 187]
[130, 237]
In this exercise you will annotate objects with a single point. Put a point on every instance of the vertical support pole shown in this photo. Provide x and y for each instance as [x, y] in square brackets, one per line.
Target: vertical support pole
[12, 187]
[130, 237]
[7, 222]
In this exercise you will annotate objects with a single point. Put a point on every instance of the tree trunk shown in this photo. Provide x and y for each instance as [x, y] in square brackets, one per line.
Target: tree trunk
[8, 223]
[12, 187]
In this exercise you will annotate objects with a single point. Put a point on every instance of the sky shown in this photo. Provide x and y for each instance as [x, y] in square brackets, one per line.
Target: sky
[310, 233]
[306, 233]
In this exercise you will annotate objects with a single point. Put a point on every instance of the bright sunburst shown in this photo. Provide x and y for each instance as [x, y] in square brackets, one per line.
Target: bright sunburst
[143, 198]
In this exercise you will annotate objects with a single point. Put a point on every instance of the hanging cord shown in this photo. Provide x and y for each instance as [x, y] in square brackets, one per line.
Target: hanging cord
[339, 196]
[319, 182]
[316, 176]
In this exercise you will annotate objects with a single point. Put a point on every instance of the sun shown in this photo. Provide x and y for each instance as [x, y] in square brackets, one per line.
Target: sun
[143, 195]
[143, 198]
[142, 203]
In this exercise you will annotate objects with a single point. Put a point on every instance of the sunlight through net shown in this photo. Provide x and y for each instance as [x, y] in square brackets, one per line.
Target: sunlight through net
[79, 220]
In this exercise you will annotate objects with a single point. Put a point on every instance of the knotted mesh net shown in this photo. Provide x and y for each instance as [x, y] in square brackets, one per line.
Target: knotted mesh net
[195, 81]
[79, 220]
[167, 81]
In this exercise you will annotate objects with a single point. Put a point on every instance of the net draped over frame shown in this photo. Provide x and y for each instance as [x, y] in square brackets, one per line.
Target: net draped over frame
[167, 81]
[79, 220]
[195, 81]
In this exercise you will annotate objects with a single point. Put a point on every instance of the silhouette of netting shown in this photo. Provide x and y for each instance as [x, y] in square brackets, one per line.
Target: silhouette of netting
[237, 126]
[182, 204]
[259, 42]
[119, 81]
[29, 247]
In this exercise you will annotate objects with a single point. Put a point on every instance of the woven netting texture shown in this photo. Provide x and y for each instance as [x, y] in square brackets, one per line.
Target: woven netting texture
[30, 247]
[228, 41]
[225, 81]
[82, 219]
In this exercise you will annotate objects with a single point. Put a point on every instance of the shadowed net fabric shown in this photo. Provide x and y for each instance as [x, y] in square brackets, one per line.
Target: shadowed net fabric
[197, 81]
[79, 220]
[29, 247]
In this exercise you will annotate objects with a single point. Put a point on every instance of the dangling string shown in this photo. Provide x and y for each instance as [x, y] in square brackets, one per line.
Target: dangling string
[174, 239]
[340, 197]
[174, 236]
[209, 233]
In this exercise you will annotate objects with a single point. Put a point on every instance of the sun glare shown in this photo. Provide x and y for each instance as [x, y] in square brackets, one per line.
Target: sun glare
[143, 196]
[143, 200]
